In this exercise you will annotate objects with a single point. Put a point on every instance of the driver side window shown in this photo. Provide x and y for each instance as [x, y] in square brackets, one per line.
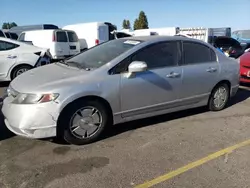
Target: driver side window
[165, 54]
[158, 55]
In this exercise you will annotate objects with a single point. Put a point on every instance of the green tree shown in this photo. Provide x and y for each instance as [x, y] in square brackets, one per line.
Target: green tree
[8, 25]
[142, 21]
[126, 24]
[136, 24]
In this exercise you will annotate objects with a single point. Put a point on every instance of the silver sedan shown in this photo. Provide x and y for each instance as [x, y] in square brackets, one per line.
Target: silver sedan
[118, 81]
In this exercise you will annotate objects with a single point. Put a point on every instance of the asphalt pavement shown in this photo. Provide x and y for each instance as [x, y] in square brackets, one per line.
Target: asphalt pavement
[136, 152]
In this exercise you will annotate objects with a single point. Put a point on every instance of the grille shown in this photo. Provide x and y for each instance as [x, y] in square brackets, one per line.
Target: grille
[245, 77]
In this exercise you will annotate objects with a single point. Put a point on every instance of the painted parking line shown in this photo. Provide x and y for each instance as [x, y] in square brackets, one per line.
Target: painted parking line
[192, 165]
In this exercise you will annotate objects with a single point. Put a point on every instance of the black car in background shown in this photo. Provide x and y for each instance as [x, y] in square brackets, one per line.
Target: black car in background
[11, 35]
[230, 45]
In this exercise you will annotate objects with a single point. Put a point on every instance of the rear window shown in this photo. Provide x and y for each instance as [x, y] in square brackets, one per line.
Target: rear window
[47, 26]
[72, 37]
[7, 35]
[13, 36]
[245, 34]
[61, 36]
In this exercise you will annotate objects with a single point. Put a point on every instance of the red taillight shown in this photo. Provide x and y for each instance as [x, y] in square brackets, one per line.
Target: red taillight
[54, 37]
[96, 41]
[233, 52]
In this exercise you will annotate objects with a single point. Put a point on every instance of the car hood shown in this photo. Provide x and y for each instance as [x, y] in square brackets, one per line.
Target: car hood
[46, 78]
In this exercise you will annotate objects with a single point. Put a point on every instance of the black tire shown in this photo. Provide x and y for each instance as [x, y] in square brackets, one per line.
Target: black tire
[64, 124]
[16, 71]
[211, 103]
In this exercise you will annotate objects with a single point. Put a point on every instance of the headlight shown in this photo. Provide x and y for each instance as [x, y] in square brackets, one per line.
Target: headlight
[24, 98]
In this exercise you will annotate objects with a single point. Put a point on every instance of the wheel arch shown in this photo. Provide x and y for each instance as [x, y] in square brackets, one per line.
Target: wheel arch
[16, 67]
[227, 82]
[92, 98]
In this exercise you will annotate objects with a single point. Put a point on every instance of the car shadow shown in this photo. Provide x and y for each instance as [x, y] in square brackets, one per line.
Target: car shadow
[4, 131]
[4, 84]
[242, 95]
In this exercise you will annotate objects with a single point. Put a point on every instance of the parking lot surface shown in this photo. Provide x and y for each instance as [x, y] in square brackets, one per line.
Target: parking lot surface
[137, 152]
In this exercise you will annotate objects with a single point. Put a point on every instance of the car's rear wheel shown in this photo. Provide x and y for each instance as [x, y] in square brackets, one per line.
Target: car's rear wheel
[19, 70]
[83, 122]
[219, 97]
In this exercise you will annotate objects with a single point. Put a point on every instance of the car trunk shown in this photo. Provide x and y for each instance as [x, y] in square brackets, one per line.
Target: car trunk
[229, 44]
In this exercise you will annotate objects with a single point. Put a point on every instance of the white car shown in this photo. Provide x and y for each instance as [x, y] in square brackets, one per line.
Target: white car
[17, 57]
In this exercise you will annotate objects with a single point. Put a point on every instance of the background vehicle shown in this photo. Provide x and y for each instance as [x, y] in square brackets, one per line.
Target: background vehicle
[243, 36]
[167, 31]
[206, 34]
[229, 44]
[19, 29]
[11, 35]
[244, 61]
[61, 43]
[93, 33]
[17, 57]
[2, 34]
[119, 81]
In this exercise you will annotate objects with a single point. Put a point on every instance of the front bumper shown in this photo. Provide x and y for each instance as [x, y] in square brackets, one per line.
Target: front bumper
[32, 121]
[244, 79]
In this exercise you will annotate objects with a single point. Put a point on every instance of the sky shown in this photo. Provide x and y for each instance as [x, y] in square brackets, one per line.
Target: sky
[160, 13]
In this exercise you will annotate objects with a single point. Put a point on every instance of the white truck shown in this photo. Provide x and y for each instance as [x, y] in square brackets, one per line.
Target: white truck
[92, 33]
[201, 33]
[205, 34]
[170, 31]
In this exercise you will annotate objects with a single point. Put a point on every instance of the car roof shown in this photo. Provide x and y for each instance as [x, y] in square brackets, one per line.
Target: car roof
[158, 38]
[15, 41]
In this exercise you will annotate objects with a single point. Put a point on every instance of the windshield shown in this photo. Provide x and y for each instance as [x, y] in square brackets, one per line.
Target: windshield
[246, 34]
[103, 53]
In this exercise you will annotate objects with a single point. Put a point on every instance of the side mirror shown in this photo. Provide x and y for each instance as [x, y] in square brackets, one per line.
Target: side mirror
[137, 66]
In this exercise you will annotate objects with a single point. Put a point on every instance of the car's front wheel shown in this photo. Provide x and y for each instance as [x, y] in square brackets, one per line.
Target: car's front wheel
[219, 97]
[83, 122]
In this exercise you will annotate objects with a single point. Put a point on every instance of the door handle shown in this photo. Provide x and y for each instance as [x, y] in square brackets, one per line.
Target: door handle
[211, 69]
[173, 75]
[11, 56]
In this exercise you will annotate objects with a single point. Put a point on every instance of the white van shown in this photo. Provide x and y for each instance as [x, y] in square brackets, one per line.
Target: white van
[61, 43]
[93, 33]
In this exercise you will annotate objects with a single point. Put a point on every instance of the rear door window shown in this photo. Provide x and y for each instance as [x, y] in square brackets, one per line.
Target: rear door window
[7, 46]
[61, 36]
[72, 37]
[195, 53]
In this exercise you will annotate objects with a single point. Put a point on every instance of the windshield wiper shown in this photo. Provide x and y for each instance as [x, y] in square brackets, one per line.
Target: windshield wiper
[72, 64]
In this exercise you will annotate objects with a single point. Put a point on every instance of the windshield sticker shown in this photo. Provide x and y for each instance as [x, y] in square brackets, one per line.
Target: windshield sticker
[134, 42]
